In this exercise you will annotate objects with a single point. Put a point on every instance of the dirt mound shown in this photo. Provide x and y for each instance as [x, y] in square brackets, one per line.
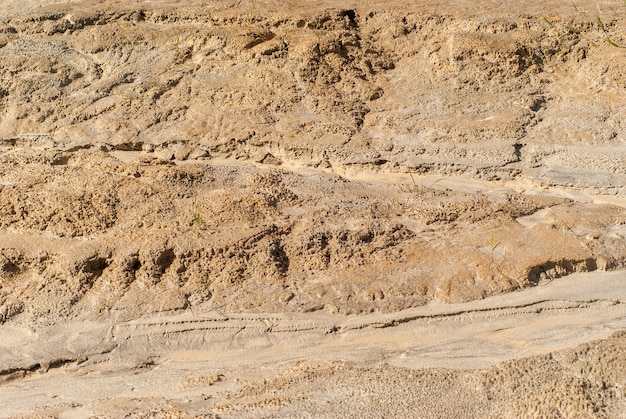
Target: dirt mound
[102, 106]
[374, 89]
[93, 235]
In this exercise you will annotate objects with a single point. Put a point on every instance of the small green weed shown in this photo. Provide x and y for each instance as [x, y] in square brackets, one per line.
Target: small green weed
[122, 28]
[494, 245]
[599, 22]
[284, 47]
[549, 22]
[198, 220]
[607, 36]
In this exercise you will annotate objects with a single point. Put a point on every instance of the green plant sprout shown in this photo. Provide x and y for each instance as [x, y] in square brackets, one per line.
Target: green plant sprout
[198, 221]
[549, 22]
[607, 37]
[494, 245]
[122, 29]
[599, 22]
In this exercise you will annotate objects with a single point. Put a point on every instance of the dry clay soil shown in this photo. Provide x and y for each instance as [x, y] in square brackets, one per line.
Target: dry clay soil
[312, 209]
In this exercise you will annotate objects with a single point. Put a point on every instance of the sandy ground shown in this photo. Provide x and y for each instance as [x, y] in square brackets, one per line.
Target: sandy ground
[305, 209]
[436, 360]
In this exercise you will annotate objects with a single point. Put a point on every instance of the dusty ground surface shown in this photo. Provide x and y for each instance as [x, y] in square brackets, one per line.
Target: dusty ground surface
[258, 208]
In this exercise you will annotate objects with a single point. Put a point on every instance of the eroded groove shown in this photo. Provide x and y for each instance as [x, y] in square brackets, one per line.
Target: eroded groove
[17, 373]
